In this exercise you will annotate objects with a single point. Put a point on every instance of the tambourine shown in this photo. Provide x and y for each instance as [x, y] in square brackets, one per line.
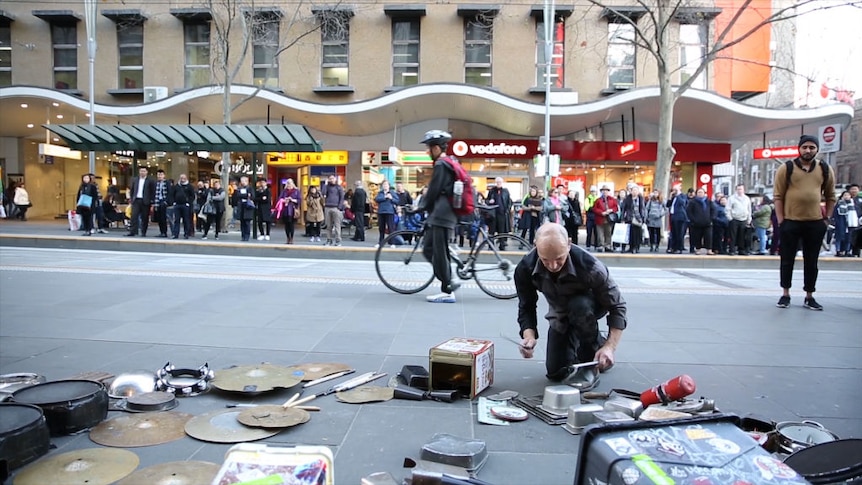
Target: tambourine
[184, 382]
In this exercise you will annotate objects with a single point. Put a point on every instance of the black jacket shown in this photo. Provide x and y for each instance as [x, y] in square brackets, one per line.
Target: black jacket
[180, 194]
[501, 198]
[698, 215]
[263, 201]
[243, 202]
[149, 190]
[436, 200]
[633, 210]
[357, 202]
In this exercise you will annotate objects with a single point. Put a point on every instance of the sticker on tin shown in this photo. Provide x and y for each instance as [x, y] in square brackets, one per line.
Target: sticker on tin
[724, 446]
[771, 468]
[699, 434]
[509, 413]
[621, 446]
[643, 437]
[670, 446]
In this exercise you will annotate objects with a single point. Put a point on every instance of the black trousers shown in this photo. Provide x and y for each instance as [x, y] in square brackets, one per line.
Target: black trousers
[576, 338]
[385, 223]
[498, 224]
[213, 218]
[289, 227]
[86, 219]
[738, 242]
[436, 250]
[654, 236]
[677, 235]
[719, 238]
[810, 235]
[359, 226]
[140, 217]
[701, 237]
[591, 231]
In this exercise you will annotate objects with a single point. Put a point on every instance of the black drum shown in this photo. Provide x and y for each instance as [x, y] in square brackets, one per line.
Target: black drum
[69, 406]
[23, 436]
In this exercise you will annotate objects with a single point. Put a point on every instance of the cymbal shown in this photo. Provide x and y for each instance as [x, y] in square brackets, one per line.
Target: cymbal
[275, 416]
[257, 378]
[174, 473]
[316, 370]
[144, 429]
[365, 394]
[222, 427]
[92, 466]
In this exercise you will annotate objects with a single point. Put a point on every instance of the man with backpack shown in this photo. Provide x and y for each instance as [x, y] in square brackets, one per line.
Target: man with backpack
[442, 216]
[800, 185]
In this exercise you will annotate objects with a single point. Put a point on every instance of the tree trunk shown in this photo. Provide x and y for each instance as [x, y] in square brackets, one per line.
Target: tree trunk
[665, 152]
[225, 156]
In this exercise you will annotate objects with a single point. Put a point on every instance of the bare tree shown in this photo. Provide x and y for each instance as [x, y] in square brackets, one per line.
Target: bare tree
[653, 35]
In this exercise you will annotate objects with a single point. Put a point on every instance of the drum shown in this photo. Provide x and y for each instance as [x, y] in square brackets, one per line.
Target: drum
[24, 436]
[69, 406]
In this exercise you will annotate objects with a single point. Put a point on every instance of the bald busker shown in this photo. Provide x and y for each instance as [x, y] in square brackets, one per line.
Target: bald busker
[579, 292]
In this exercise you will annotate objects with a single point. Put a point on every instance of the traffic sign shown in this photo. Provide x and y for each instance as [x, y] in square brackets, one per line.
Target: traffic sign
[830, 138]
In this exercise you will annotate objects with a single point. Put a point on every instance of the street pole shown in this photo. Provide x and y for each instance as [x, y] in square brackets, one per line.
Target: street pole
[549, 50]
[90, 18]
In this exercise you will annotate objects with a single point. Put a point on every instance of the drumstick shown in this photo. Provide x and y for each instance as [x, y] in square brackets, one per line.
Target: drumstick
[289, 401]
[301, 401]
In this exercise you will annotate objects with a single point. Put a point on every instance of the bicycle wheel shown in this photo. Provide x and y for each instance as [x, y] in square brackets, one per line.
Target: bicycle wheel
[495, 262]
[400, 264]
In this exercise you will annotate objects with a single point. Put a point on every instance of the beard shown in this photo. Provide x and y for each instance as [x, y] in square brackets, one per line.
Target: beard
[807, 156]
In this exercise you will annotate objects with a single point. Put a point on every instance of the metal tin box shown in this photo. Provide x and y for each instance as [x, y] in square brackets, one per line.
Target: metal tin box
[247, 462]
[702, 449]
[462, 364]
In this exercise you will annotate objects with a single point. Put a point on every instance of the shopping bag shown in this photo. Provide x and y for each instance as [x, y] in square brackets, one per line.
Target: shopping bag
[85, 200]
[2, 212]
[621, 233]
[74, 223]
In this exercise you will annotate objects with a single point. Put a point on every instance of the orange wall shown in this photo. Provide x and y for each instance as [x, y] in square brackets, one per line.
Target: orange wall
[731, 72]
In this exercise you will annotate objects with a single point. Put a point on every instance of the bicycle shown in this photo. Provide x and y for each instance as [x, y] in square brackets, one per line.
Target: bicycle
[402, 268]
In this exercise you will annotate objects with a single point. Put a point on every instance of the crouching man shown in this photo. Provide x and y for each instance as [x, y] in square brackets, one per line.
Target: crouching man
[579, 292]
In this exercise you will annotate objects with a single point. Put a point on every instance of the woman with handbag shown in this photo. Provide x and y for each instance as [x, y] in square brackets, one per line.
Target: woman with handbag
[213, 208]
[532, 214]
[290, 203]
[555, 208]
[635, 216]
[86, 201]
[314, 212]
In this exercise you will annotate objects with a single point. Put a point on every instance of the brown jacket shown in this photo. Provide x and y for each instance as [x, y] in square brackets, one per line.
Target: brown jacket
[314, 207]
[801, 199]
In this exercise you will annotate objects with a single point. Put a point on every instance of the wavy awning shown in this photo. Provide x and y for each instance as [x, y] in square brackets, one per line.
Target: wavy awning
[184, 138]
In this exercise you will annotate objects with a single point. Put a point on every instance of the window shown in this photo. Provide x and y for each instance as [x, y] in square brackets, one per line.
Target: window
[265, 40]
[405, 52]
[755, 176]
[770, 174]
[5, 55]
[335, 61]
[130, 43]
[196, 37]
[621, 55]
[557, 60]
[64, 39]
[477, 50]
[692, 49]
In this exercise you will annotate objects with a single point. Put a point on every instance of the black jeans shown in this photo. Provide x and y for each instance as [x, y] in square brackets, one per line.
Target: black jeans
[182, 213]
[436, 250]
[86, 219]
[737, 237]
[701, 237]
[719, 238]
[358, 226]
[209, 222]
[385, 223]
[578, 341]
[289, 227]
[654, 236]
[677, 235]
[591, 230]
[263, 227]
[245, 229]
[810, 234]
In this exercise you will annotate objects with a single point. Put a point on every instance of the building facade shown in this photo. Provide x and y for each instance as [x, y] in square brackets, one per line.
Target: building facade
[478, 70]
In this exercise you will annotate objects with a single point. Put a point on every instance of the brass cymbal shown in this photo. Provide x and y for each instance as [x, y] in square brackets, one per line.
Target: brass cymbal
[316, 370]
[92, 466]
[174, 473]
[257, 378]
[144, 429]
[274, 416]
[365, 394]
[222, 427]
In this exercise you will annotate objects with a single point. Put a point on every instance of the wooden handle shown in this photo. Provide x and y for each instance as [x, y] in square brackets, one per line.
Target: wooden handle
[300, 401]
[291, 400]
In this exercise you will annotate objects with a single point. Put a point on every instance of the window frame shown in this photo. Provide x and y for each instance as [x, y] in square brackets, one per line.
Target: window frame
[755, 177]
[64, 47]
[327, 40]
[703, 42]
[619, 25]
[265, 20]
[122, 27]
[558, 71]
[485, 25]
[406, 43]
[187, 67]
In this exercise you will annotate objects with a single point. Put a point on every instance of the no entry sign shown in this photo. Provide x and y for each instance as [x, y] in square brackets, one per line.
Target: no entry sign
[830, 138]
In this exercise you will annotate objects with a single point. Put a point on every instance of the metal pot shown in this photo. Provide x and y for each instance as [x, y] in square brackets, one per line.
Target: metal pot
[794, 436]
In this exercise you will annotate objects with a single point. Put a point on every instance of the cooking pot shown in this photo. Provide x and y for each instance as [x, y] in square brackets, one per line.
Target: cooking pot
[794, 436]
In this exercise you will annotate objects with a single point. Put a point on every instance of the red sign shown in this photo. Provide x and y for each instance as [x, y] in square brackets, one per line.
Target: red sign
[633, 146]
[704, 178]
[777, 152]
[829, 134]
[494, 148]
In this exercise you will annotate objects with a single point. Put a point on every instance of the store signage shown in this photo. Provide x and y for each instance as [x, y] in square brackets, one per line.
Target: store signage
[59, 151]
[131, 154]
[495, 148]
[326, 158]
[633, 146]
[777, 152]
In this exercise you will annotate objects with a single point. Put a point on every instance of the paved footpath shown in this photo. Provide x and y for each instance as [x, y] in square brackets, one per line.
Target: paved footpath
[65, 312]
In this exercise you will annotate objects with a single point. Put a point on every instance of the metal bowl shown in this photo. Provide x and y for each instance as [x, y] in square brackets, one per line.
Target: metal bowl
[557, 399]
[132, 383]
[581, 415]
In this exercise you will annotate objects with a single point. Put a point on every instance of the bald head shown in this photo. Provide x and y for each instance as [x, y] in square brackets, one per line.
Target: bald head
[552, 246]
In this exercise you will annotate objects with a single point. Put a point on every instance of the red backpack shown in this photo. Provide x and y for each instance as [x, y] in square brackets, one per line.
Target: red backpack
[468, 195]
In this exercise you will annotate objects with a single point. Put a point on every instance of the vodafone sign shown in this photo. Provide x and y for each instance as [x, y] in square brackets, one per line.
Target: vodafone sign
[777, 152]
[495, 148]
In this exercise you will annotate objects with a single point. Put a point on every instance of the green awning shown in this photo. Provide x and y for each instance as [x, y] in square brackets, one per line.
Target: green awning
[187, 138]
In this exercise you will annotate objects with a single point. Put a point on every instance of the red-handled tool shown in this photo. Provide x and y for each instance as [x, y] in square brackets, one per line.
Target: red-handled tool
[669, 391]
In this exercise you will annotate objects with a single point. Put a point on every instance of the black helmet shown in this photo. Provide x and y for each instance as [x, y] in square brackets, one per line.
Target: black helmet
[436, 137]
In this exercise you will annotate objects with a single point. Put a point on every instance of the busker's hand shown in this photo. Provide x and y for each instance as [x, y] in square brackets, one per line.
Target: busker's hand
[528, 344]
[605, 358]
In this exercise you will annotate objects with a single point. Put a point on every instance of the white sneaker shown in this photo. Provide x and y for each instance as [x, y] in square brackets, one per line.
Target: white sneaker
[260, 238]
[267, 238]
[441, 298]
[376, 246]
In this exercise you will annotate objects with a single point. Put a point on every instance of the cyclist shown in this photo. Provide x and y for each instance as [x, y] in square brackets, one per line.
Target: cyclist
[441, 217]
[579, 292]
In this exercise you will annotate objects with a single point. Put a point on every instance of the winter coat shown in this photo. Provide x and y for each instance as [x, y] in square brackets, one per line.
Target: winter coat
[762, 216]
[314, 205]
[90, 190]
[699, 211]
[243, 202]
[21, 196]
[218, 197]
[633, 210]
[677, 208]
[655, 212]
[720, 218]
[180, 194]
[549, 209]
[289, 209]
[602, 204]
[384, 205]
[263, 201]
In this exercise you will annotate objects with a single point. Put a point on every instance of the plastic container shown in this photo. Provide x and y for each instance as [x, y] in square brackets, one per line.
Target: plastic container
[256, 463]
